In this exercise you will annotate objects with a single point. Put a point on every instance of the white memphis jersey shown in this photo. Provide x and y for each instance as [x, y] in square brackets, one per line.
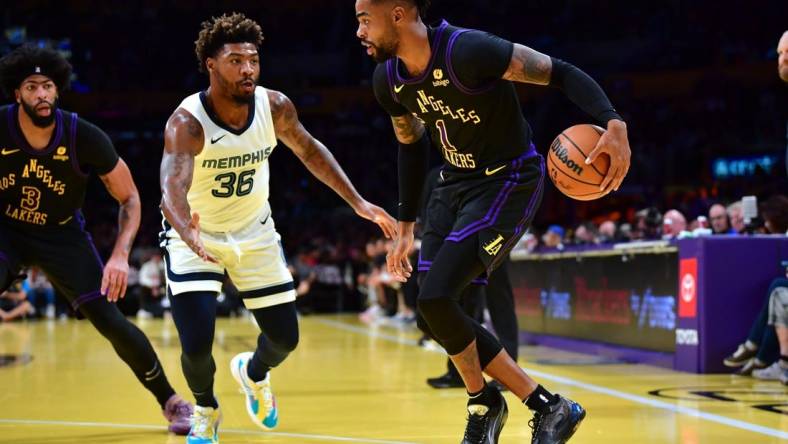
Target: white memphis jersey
[230, 182]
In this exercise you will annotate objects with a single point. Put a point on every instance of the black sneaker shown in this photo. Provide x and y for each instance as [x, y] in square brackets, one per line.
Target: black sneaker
[740, 356]
[446, 380]
[559, 424]
[485, 423]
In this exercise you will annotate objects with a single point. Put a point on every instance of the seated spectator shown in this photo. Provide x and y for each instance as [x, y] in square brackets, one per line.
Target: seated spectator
[761, 347]
[647, 226]
[151, 281]
[775, 214]
[607, 232]
[554, 237]
[40, 293]
[585, 234]
[14, 304]
[719, 220]
[778, 318]
[673, 224]
[736, 217]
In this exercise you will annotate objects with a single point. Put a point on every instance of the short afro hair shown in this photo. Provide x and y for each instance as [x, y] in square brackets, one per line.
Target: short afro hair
[28, 60]
[218, 31]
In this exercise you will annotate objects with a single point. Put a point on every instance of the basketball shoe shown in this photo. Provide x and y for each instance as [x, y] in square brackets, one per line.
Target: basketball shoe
[178, 412]
[260, 401]
[205, 426]
[558, 424]
[485, 422]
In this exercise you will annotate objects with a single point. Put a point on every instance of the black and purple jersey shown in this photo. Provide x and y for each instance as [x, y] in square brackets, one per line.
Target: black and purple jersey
[46, 187]
[472, 114]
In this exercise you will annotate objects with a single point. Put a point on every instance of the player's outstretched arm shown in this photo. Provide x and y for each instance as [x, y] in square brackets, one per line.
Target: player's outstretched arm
[321, 163]
[183, 140]
[120, 185]
[529, 66]
[413, 163]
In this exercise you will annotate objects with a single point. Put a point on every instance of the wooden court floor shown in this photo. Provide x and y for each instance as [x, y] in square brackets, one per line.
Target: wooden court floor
[352, 383]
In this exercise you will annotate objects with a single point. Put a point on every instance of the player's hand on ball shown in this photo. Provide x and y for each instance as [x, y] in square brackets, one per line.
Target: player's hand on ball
[115, 278]
[378, 215]
[397, 260]
[615, 143]
[192, 238]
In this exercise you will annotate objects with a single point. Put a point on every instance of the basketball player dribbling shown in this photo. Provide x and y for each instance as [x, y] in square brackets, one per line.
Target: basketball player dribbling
[214, 178]
[452, 88]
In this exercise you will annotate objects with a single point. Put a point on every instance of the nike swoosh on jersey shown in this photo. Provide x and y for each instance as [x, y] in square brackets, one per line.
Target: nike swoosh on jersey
[217, 139]
[397, 88]
[7, 152]
[489, 172]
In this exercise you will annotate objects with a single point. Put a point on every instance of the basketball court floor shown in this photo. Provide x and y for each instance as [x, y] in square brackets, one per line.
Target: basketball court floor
[347, 382]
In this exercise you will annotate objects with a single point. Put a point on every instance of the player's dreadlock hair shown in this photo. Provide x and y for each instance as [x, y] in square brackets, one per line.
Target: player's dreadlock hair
[218, 31]
[27, 60]
[422, 5]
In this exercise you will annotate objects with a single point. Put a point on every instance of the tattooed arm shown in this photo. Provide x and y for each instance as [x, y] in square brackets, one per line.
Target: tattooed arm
[320, 162]
[120, 185]
[529, 66]
[183, 140]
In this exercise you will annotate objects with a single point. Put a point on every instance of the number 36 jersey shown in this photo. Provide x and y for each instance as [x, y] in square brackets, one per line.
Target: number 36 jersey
[230, 182]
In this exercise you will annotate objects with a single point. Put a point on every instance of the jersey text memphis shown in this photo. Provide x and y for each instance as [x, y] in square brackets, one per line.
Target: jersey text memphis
[230, 183]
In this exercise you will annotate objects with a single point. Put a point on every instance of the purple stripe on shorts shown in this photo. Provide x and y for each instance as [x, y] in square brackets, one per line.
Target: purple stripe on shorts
[529, 210]
[479, 281]
[492, 214]
[453, 75]
[3, 257]
[85, 298]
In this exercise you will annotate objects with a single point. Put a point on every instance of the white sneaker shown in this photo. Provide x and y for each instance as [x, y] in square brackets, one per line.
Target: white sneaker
[205, 426]
[260, 400]
[770, 373]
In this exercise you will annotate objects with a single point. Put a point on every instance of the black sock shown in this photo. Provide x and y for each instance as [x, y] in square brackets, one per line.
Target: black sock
[156, 381]
[783, 361]
[540, 400]
[206, 398]
[485, 396]
[257, 371]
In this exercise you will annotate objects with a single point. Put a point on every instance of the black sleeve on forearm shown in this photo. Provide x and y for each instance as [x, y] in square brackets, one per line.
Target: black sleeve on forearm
[582, 90]
[413, 163]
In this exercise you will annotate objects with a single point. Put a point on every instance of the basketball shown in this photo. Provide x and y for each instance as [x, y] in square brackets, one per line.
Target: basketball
[566, 162]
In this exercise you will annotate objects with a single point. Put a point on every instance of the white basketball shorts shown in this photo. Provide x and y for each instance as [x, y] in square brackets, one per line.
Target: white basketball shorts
[252, 257]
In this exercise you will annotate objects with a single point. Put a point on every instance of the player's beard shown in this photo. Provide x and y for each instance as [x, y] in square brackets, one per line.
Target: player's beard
[234, 89]
[387, 49]
[38, 120]
[783, 71]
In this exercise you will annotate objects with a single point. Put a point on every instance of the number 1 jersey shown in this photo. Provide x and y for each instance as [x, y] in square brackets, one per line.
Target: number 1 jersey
[230, 183]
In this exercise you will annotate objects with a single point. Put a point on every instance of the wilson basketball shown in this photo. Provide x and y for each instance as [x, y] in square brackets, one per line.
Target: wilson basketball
[566, 162]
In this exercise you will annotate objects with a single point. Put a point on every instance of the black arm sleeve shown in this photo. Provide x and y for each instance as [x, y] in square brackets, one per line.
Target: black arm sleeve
[582, 90]
[383, 92]
[94, 149]
[414, 159]
[479, 58]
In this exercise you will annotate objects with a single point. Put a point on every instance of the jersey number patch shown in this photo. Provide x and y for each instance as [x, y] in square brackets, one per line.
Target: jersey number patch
[227, 184]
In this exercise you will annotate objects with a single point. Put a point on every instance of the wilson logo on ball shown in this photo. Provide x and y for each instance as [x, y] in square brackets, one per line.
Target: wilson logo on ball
[563, 155]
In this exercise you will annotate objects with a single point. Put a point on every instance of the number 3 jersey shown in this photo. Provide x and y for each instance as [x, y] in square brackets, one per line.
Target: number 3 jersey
[46, 187]
[230, 182]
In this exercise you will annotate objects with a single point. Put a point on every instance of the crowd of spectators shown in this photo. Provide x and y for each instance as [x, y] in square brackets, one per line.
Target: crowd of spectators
[691, 88]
